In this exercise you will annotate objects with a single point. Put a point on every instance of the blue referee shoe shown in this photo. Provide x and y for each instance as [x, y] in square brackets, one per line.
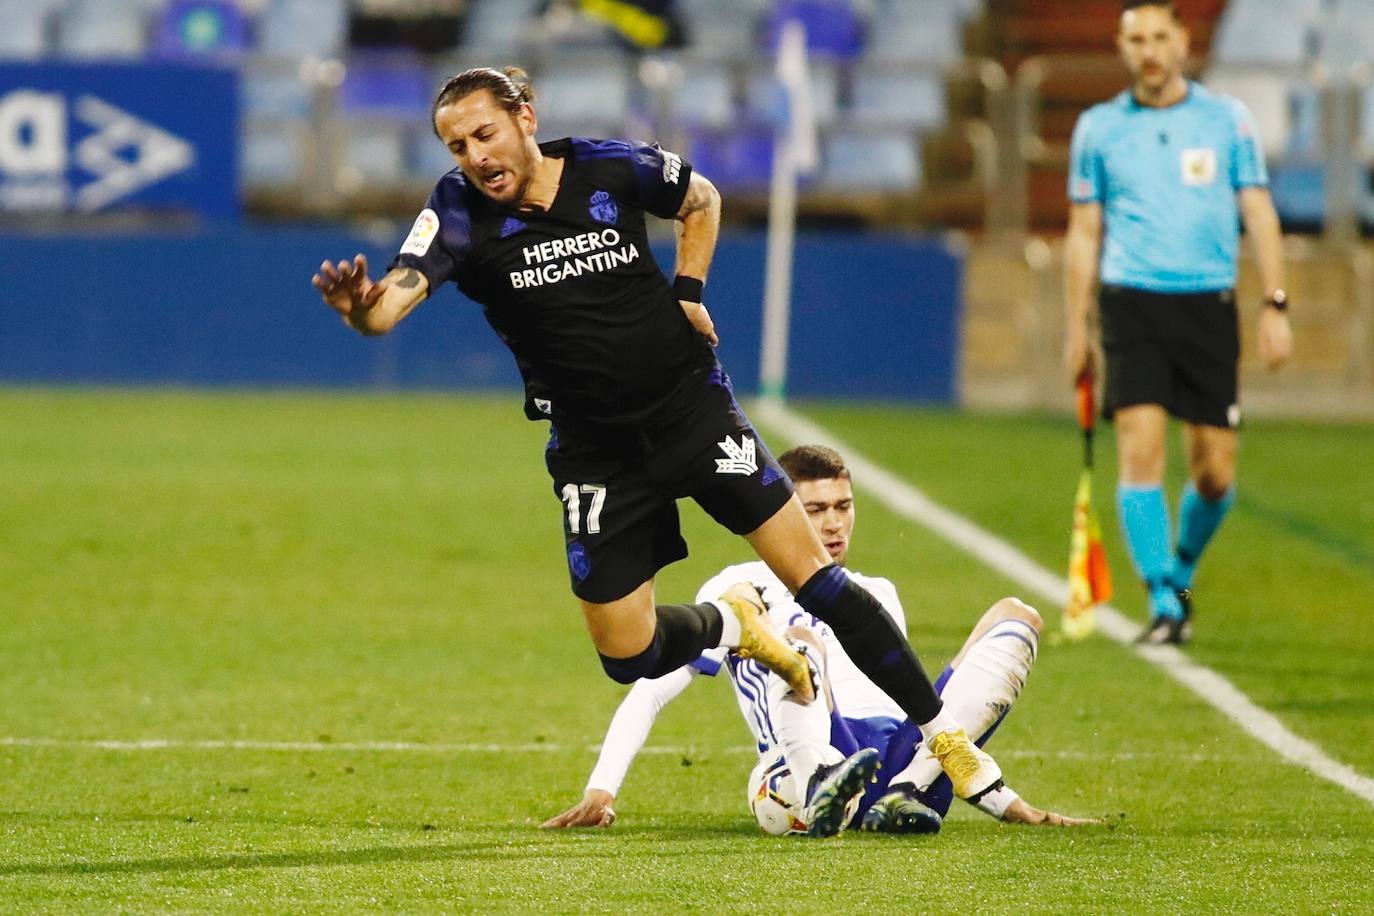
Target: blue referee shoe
[901, 811]
[832, 789]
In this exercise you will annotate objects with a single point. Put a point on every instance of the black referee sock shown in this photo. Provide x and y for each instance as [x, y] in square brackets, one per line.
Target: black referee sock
[872, 640]
[682, 633]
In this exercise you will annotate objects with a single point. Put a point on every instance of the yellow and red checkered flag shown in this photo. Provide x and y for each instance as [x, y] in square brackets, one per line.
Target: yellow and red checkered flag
[1090, 580]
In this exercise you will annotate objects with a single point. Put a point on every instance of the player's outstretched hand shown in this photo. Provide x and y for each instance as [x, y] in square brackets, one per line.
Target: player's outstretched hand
[593, 811]
[1275, 338]
[1018, 812]
[701, 320]
[346, 287]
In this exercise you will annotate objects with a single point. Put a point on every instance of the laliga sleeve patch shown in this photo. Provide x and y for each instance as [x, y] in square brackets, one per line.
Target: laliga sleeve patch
[422, 234]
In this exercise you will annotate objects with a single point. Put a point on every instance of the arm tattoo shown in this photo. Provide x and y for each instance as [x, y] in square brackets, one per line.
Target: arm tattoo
[695, 200]
[700, 196]
[409, 279]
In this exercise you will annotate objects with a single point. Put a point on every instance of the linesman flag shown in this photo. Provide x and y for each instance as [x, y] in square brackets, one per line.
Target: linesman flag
[1090, 581]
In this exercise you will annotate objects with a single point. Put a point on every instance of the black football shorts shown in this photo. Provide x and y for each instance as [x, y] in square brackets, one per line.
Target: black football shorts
[1180, 351]
[619, 488]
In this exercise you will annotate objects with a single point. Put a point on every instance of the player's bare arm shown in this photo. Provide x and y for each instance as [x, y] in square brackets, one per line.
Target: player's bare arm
[1019, 812]
[1082, 248]
[367, 307]
[698, 225]
[594, 810]
[1262, 225]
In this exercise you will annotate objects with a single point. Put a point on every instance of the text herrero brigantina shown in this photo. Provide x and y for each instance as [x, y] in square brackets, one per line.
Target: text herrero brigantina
[558, 259]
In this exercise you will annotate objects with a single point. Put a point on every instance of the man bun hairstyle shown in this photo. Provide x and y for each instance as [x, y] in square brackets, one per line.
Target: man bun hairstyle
[509, 87]
[813, 462]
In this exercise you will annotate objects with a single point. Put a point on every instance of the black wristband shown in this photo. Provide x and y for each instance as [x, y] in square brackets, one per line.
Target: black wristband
[688, 289]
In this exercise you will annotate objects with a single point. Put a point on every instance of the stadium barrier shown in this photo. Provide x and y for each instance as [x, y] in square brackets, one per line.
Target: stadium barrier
[1014, 326]
[874, 317]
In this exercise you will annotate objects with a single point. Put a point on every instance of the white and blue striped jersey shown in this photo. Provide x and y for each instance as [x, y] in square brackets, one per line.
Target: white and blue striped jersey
[858, 696]
[854, 693]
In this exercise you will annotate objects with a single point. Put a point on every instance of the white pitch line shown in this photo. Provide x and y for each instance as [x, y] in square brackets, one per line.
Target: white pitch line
[416, 747]
[909, 502]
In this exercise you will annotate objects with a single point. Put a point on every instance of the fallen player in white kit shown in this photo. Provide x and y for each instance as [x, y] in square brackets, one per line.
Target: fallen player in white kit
[851, 757]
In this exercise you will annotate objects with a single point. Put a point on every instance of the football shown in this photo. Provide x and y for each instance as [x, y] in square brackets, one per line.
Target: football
[773, 797]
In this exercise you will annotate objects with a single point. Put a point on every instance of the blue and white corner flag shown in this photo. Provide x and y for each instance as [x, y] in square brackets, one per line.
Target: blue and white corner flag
[793, 75]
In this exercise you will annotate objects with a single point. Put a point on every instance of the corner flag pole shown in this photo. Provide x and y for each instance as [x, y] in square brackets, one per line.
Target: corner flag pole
[794, 153]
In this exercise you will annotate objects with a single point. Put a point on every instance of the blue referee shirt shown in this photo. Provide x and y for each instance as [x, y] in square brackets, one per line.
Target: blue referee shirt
[1167, 180]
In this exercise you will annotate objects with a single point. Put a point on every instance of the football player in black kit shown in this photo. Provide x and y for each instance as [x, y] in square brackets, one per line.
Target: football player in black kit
[550, 239]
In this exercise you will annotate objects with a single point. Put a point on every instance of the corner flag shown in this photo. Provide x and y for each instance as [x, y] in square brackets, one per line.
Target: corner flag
[1090, 580]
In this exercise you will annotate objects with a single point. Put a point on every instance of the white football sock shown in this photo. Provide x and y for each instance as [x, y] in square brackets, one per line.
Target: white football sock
[996, 802]
[991, 676]
[729, 625]
[943, 722]
[983, 687]
[803, 731]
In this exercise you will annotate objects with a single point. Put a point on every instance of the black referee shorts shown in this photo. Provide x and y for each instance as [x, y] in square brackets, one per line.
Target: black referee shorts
[1180, 351]
[619, 488]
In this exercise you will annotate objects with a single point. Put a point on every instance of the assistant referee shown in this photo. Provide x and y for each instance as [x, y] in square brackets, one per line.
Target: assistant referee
[1158, 178]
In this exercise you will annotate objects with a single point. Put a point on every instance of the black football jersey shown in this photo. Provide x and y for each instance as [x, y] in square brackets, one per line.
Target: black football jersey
[574, 292]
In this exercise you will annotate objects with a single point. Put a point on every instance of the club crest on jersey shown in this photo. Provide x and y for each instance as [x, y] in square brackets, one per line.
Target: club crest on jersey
[603, 208]
[1199, 166]
[579, 564]
[510, 227]
[544, 406]
[740, 458]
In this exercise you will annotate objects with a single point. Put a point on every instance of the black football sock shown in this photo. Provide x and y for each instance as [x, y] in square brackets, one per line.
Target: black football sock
[872, 640]
[683, 632]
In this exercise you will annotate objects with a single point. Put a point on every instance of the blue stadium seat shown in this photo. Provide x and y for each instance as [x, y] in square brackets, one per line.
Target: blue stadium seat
[1266, 94]
[1299, 194]
[304, 28]
[23, 28]
[270, 152]
[1304, 121]
[925, 32]
[582, 97]
[720, 28]
[1265, 32]
[884, 96]
[100, 29]
[705, 96]
[873, 161]
[275, 89]
[1346, 35]
[428, 158]
[194, 30]
[833, 27]
[740, 158]
[764, 98]
[498, 27]
[377, 150]
[386, 84]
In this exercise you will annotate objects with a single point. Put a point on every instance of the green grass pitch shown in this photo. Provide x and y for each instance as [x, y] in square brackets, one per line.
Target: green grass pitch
[335, 570]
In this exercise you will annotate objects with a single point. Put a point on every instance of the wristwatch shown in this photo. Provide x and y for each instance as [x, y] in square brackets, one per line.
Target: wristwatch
[1278, 301]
